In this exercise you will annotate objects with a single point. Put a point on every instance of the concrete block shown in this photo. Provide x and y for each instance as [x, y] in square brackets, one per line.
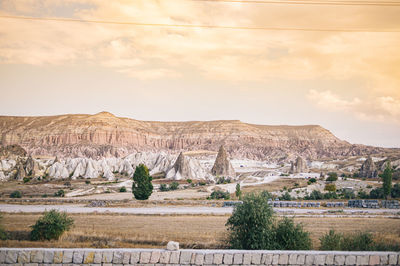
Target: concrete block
[48, 256]
[155, 256]
[186, 257]
[88, 257]
[24, 256]
[11, 256]
[209, 258]
[67, 256]
[247, 259]
[275, 259]
[78, 256]
[218, 258]
[362, 260]
[164, 257]
[172, 245]
[292, 259]
[199, 259]
[266, 259]
[37, 256]
[384, 259]
[145, 257]
[340, 259]
[174, 257]
[135, 257]
[255, 258]
[350, 260]
[117, 257]
[301, 259]
[126, 257]
[107, 257]
[393, 259]
[58, 257]
[283, 259]
[228, 258]
[237, 258]
[3, 256]
[329, 259]
[319, 259]
[309, 260]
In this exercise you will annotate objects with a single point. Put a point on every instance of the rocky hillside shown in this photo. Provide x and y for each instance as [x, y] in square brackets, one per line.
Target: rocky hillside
[105, 135]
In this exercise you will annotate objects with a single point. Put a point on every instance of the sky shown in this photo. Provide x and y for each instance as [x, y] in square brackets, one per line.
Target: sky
[345, 81]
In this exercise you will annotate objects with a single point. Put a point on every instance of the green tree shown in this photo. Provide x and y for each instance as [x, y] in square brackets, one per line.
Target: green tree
[3, 233]
[332, 177]
[238, 192]
[291, 236]
[387, 180]
[251, 225]
[51, 226]
[142, 186]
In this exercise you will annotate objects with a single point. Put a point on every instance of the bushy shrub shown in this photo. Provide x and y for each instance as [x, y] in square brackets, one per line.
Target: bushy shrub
[376, 193]
[87, 182]
[16, 194]
[395, 191]
[142, 186]
[164, 187]
[189, 181]
[331, 241]
[285, 196]
[331, 195]
[332, 177]
[122, 189]
[51, 226]
[315, 195]
[347, 194]
[219, 194]
[173, 186]
[330, 187]
[290, 236]
[360, 241]
[312, 180]
[60, 193]
[3, 233]
[26, 179]
[223, 180]
[253, 226]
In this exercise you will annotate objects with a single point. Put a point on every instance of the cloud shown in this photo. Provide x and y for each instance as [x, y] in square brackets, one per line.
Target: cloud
[215, 54]
[381, 109]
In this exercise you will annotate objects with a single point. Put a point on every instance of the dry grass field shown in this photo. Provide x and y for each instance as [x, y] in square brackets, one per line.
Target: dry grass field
[276, 185]
[110, 230]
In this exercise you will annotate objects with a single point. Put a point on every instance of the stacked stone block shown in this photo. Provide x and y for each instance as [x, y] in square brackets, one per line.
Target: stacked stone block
[36, 257]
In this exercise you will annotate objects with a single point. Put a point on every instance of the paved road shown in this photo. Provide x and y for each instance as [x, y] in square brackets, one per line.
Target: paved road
[10, 208]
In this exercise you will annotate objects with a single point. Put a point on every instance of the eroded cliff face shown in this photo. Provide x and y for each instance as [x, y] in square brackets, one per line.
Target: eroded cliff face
[105, 135]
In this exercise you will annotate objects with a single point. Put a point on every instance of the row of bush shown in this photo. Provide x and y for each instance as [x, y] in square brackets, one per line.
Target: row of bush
[359, 241]
[172, 186]
[253, 225]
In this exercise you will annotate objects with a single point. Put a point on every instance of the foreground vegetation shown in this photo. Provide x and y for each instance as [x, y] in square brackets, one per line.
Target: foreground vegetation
[154, 231]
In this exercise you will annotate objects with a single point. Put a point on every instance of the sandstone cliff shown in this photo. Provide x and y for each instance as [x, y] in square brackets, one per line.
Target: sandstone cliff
[105, 135]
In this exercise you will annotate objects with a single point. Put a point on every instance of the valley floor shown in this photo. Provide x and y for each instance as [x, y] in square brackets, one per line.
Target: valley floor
[192, 231]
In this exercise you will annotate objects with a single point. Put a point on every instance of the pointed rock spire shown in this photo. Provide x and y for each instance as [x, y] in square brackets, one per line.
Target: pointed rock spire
[222, 165]
[368, 168]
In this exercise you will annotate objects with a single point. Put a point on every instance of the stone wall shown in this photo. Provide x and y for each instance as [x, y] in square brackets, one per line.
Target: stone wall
[34, 256]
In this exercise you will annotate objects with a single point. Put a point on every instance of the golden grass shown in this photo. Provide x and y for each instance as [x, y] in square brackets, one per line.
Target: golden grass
[279, 184]
[105, 230]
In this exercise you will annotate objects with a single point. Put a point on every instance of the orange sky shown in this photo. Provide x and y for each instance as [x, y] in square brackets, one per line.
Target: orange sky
[348, 82]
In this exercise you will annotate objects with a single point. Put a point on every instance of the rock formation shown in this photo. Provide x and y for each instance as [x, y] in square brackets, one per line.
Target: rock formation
[300, 166]
[105, 135]
[187, 168]
[368, 168]
[222, 166]
[10, 151]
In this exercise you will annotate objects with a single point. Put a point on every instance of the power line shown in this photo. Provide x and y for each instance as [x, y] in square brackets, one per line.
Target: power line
[195, 26]
[309, 2]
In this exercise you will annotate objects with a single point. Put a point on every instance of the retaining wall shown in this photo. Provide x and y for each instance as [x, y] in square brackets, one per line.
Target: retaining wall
[34, 256]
